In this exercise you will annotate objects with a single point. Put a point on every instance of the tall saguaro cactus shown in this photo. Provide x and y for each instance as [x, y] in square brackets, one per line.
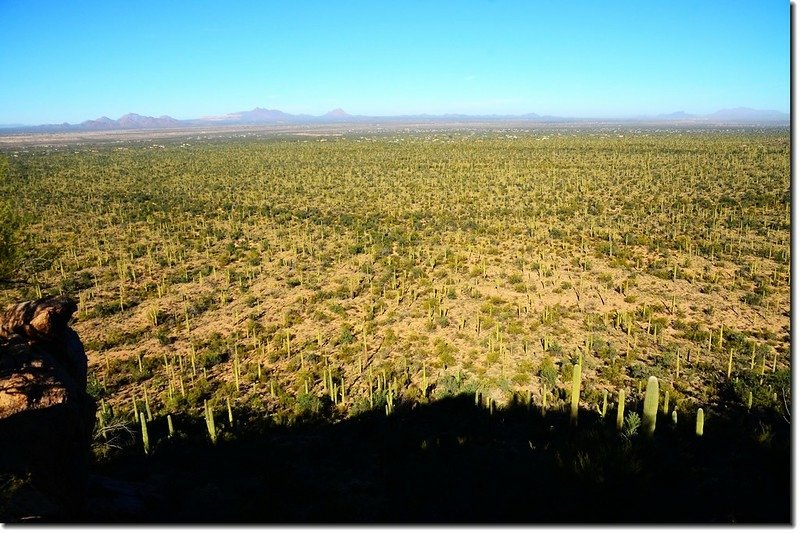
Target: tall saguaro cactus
[700, 422]
[576, 393]
[605, 404]
[620, 409]
[145, 436]
[650, 410]
[209, 414]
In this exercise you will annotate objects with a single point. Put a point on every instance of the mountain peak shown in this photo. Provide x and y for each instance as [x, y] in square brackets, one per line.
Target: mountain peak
[337, 113]
[746, 114]
[260, 114]
[129, 121]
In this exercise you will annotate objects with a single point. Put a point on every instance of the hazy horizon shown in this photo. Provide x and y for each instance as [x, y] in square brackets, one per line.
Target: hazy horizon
[633, 117]
[662, 115]
[80, 61]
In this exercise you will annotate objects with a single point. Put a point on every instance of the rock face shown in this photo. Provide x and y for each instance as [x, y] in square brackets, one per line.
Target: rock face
[46, 416]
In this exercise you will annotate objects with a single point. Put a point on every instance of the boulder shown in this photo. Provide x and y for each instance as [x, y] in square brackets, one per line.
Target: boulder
[46, 416]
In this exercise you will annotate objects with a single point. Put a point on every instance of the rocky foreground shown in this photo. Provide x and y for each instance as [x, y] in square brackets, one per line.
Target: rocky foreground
[46, 416]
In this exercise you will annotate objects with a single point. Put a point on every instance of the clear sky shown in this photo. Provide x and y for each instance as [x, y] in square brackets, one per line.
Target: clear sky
[74, 60]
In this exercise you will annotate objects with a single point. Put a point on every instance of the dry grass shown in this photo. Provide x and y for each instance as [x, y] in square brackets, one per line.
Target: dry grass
[406, 242]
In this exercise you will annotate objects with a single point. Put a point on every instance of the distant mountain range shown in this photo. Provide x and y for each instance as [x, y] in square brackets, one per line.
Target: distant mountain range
[129, 122]
[132, 121]
[736, 115]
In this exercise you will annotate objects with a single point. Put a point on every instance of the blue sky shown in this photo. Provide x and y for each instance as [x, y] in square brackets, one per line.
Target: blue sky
[73, 60]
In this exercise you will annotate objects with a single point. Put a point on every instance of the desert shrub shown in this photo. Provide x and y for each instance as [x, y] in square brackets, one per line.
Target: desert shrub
[521, 378]
[447, 385]
[346, 335]
[548, 372]
[307, 404]
[213, 352]
[639, 371]
[665, 360]
[604, 349]
[445, 352]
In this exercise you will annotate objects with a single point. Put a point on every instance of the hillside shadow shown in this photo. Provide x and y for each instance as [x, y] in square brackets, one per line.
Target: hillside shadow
[452, 462]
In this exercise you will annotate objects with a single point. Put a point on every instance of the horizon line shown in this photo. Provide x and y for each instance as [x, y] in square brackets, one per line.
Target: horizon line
[578, 116]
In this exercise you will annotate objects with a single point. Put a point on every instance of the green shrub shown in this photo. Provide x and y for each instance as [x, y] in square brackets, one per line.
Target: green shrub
[548, 372]
[307, 404]
[445, 352]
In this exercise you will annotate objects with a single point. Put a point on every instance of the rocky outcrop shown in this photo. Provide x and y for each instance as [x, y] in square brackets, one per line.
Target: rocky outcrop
[46, 416]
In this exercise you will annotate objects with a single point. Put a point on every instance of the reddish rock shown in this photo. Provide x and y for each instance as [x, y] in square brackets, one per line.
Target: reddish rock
[46, 416]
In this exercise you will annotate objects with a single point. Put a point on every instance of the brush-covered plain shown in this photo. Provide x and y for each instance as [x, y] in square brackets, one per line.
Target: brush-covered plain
[274, 282]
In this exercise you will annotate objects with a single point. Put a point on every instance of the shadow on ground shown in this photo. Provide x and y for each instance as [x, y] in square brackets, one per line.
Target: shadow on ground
[453, 462]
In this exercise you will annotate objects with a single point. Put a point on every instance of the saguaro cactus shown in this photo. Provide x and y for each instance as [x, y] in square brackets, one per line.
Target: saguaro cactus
[605, 404]
[698, 428]
[620, 409]
[136, 409]
[544, 400]
[576, 393]
[212, 430]
[145, 436]
[730, 363]
[650, 411]
[147, 406]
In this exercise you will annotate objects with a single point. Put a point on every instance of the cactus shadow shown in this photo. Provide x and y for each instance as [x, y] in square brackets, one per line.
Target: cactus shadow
[452, 462]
